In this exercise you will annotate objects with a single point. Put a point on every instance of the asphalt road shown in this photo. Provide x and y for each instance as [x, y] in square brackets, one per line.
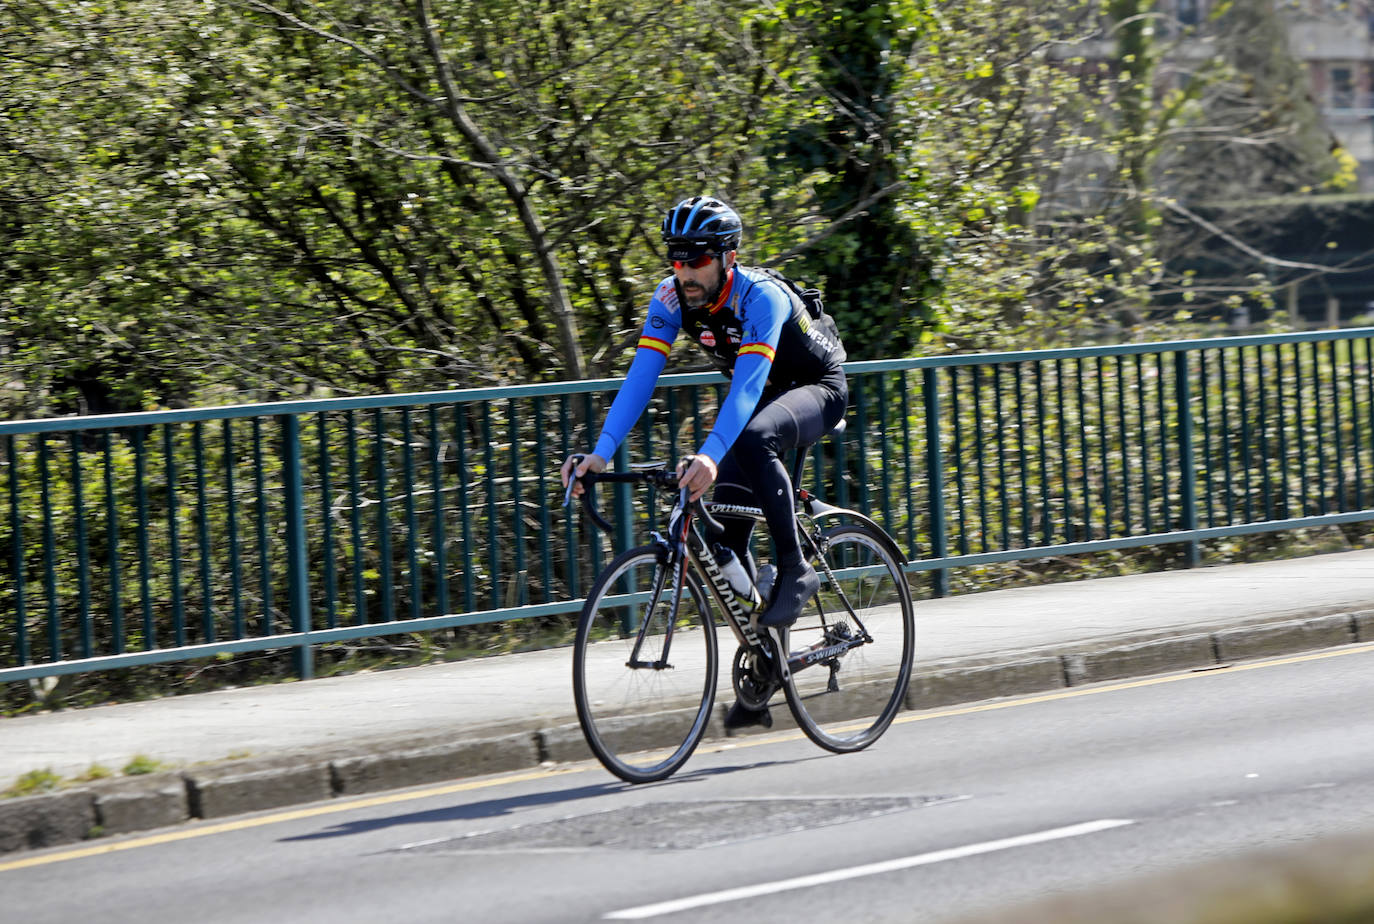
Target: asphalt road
[954, 812]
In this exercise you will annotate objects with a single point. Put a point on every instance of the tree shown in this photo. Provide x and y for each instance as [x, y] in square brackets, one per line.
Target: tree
[246, 199]
[870, 262]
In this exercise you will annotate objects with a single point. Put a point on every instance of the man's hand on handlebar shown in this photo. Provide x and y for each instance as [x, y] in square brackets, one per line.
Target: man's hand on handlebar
[578, 465]
[697, 477]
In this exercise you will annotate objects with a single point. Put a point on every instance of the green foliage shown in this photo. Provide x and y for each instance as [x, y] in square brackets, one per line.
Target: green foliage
[212, 202]
[32, 783]
[141, 764]
[873, 265]
[93, 773]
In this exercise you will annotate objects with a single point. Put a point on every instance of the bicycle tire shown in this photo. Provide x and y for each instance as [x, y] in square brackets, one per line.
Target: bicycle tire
[845, 703]
[631, 715]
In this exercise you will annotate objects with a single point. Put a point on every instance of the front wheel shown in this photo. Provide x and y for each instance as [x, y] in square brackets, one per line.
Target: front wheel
[644, 677]
[852, 647]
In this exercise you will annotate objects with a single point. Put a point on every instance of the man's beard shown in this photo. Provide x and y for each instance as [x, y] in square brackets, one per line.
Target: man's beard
[696, 298]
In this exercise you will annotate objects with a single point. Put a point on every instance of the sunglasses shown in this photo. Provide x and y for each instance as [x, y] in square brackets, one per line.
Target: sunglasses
[695, 263]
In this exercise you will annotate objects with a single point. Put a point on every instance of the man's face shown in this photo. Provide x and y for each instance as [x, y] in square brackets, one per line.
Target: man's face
[701, 285]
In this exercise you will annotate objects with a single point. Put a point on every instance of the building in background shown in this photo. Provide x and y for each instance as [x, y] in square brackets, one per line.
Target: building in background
[1334, 42]
[1335, 39]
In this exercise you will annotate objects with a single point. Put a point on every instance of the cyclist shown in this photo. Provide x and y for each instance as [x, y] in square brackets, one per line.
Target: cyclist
[787, 388]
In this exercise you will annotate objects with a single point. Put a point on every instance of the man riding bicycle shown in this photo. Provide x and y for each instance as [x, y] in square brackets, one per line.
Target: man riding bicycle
[787, 388]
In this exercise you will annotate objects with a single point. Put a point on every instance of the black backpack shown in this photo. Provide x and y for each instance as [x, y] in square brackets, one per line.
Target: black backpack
[810, 299]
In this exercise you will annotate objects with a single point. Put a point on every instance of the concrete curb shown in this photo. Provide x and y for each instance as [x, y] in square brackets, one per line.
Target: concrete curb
[159, 800]
[131, 804]
[416, 766]
[256, 785]
[951, 683]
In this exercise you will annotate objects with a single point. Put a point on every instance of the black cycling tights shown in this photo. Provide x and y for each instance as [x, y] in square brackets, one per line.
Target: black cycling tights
[753, 472]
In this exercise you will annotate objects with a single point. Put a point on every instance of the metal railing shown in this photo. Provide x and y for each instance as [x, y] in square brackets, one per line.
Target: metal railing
[144, 538]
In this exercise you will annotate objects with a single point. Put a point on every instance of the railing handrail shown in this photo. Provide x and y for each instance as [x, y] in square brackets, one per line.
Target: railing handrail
[547, 389]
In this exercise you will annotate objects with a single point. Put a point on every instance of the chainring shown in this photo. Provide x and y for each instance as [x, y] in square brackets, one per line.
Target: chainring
[753, 688]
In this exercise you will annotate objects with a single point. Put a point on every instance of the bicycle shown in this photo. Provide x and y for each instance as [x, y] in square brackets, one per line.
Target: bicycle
[646, 655]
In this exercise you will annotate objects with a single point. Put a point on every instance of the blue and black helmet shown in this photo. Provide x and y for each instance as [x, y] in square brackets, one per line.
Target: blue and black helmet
[700, 224]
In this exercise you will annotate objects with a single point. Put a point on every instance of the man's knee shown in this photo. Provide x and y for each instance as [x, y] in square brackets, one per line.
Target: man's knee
[758, 442]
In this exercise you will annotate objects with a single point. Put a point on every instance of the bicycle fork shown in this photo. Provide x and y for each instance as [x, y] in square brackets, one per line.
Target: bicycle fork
[660, 580]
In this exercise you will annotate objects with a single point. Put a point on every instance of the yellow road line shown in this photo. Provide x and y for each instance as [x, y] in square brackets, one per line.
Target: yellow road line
[735, 744]
[1134, 684]
[278, 817]
[1033, 699]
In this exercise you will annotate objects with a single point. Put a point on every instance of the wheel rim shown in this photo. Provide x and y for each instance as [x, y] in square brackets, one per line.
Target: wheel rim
[845, 702]
[643, 722]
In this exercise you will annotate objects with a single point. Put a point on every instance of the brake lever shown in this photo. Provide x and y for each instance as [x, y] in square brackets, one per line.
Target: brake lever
[568, 495]
[713, 526]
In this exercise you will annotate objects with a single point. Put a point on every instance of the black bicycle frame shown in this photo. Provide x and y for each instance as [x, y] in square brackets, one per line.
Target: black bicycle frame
[691, 546]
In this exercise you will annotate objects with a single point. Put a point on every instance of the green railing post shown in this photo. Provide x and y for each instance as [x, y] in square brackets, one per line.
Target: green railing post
[145, 554]
[112, 543]
[412, 519]
[624, 534]
[264, 534]
[355, 521]
[83, 558]
[231, 528]
[541, 464]
[906, 468]
[883, 449]
[1187, 468]
[297, 575]
[592, 532]
[1022, 455]
[494, 557]
[460, 437]
[331, 574]
[1004, 490]
[384, 563]
[436, 474]
[520, 580]
[169, 475]
[21, 616]
[569, 519]
[54, 624]
[935, 479]
[207, 598]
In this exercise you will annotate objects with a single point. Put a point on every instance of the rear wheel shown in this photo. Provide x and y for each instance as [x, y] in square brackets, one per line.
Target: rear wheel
[852, 647]
[644, 677]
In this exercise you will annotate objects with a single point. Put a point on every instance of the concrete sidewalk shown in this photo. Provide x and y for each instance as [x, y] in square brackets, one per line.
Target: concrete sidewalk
[264, 747]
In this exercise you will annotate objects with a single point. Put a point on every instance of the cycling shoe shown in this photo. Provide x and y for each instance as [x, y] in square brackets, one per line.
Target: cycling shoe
[793, 588]
[741, 716]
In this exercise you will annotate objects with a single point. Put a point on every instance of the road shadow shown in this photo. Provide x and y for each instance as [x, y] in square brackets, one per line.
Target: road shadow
[489, 808]
[494, 808]
[706, 773]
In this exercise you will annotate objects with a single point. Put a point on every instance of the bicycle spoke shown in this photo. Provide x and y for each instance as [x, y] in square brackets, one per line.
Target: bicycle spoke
[641, 713]
[854, 641]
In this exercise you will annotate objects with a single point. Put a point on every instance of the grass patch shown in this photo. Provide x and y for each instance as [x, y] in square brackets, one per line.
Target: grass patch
[94, 772]
[142, 764]
[33, 783]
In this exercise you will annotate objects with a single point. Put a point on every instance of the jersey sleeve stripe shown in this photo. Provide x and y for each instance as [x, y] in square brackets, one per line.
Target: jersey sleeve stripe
[653, 343]
[762, 349]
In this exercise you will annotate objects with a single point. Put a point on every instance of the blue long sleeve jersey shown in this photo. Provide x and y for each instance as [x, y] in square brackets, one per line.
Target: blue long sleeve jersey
[757, 334]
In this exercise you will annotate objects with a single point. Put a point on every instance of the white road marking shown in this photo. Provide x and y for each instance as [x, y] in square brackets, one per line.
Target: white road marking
[871, 869]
